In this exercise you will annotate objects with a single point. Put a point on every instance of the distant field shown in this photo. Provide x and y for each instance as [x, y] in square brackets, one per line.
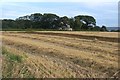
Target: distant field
[103, 34]
[60, 54]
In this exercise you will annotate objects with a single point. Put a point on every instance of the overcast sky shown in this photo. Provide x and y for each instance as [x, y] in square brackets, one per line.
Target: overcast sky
[105, 12]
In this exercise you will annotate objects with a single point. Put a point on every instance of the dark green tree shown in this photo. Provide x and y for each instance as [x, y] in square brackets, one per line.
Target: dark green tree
[96, 28]
[77, 24]
[103, 28]
[51, 21]
[48, 20]
[86, 20]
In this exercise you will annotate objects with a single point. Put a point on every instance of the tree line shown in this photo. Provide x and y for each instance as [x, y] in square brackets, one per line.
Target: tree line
[52, 22]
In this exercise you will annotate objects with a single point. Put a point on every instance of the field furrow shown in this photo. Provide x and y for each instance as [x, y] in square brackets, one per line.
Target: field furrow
[57, 56]
[81, 44]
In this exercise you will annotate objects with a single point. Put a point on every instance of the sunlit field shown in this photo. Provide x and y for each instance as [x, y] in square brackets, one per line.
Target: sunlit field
[59, 54]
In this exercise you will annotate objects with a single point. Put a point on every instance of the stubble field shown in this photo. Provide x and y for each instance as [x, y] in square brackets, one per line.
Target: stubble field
[59, 54]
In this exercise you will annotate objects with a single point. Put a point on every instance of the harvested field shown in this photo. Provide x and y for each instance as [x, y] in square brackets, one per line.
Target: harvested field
[60, 54]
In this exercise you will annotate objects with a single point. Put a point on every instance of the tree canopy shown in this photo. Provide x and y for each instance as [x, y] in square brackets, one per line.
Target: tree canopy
[53, 21]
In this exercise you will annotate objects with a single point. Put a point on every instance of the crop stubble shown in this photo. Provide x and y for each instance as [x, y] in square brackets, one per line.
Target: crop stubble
[63, 56]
